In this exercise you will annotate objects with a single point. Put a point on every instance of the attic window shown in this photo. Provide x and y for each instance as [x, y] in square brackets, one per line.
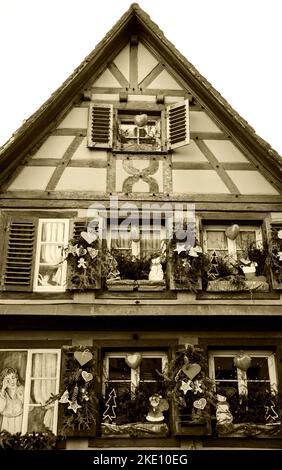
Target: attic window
[138, 130]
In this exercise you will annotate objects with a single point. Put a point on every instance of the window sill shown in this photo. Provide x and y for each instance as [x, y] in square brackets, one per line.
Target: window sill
[135, 430]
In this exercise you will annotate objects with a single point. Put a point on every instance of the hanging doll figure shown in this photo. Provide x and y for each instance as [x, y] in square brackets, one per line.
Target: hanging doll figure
[224, 417]
[156, 270]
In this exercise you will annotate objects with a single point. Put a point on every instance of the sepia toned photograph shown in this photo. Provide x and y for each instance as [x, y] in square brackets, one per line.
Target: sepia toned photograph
[140, 230]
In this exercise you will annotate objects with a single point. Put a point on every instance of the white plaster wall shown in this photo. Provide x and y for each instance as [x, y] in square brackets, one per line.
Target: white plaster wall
[146, 62]
[189, 153]
[83, 179]
[106, 79]
[77, 118]
[197, 181]
[32, 178]
[201, 122]
[173, 99]
[122, 61]
[166, 81]
[251, 182]
[105, 97]
[54, 146]
[225, 151]
[84, 153]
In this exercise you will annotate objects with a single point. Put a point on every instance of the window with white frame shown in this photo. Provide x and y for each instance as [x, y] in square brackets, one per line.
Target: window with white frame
[50, 267]
[121, 373]
[140, 241]
[252, 385]
[28, 378]
[215, 240]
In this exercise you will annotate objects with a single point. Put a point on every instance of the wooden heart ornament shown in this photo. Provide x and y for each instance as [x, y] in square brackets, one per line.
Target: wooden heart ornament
[133, 360]
[89, 237]
[232, 232]
[87, 376]
[191, 370]
[242, 361]
[141, 120]
[200, 404]
[83, 357]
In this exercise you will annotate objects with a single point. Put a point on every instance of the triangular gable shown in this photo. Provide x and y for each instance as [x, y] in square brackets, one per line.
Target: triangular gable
[164, 67]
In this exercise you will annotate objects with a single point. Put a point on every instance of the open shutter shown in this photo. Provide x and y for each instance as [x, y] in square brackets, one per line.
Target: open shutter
[90, 277]
[178, 133]
[100, 126]
[78, 385]
[274, 230]
[19, 254]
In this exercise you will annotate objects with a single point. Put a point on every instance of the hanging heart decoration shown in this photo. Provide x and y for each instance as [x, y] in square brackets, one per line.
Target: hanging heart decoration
[232, 232]
[83, 357]
[200, 404]
[89, 237]
[191, 370]
[133, 360]
[141, 120]
[242, 361]
[87, 376]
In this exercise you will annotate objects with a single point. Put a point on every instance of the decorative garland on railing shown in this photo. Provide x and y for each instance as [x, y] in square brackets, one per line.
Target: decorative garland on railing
[28, 441]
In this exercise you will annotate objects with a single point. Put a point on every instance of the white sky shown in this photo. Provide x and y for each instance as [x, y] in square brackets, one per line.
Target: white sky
[235, 44]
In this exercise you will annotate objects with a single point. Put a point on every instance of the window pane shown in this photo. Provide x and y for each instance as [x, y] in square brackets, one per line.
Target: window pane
[121, 388]
[258, 369]
[53, 232]
[217, 241]
[244, 239]
[149, 368]
[41, 390]
[44, 365]
[118, 369]
[255, 389]
[40, 419]
[224, 368]
[148, 388]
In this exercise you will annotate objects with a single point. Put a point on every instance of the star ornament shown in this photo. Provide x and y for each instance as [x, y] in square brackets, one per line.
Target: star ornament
[180, 247]
[74, 406]
[185, 386]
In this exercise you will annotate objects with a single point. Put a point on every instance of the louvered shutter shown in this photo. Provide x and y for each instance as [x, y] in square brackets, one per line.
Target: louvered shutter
[100, 126]
[84, 421]
[178, 125]
[275, 245]
[19, 254]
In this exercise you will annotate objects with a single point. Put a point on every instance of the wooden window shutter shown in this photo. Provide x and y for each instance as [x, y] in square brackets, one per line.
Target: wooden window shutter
[19, 254]
[80, 381]
[79, 226]
[178, 125]
[100, 126]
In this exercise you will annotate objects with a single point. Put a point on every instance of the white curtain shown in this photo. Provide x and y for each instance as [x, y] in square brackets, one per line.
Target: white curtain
[53, 238]
[44, 369]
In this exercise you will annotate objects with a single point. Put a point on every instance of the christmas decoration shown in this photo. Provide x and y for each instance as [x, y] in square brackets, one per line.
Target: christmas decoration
[156, 272]
[141, 120]
[133, 360]
[81, 251]
[157, 406]
[223, 414]
[65, 397]
[213, 270]
[191, 370]
[185, 386]
[93, 252]
[197, 387]
[242, 361]
[89, 236]
[200, 404]
[83, 357]
[109, 413]
[271, 417]
[279, 234]
[180, 247]
[82, 263]
[232, 232]
[74, 406]
[87, 376]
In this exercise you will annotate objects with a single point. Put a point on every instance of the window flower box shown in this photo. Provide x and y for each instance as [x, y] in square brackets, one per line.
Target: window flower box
[258, 284]
[120, 284]
[144, 285]
[135, 430]
[250, 430]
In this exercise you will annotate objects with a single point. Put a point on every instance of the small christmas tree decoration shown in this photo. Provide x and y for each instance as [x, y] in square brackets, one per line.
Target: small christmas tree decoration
[213, 270]
[271, 416]
[109, 414]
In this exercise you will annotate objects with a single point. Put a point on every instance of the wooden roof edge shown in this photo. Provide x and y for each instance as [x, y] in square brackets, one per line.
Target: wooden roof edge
[72, 85]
